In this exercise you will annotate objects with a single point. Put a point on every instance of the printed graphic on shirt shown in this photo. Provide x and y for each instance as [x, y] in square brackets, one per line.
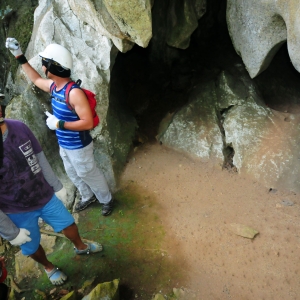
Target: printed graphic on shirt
[30, 157]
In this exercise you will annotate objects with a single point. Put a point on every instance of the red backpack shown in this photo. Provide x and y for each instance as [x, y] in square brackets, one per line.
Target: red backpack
[90, 96]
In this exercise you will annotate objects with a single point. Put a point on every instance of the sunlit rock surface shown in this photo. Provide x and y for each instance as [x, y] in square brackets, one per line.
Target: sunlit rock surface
[258, 28]
[78, 26]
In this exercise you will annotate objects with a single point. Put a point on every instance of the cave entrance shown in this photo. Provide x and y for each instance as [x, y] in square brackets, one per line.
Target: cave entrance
[154, 81]
[151, 82]
[149, 91]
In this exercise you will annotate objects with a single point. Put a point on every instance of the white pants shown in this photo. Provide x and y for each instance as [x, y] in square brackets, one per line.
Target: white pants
[81, 168]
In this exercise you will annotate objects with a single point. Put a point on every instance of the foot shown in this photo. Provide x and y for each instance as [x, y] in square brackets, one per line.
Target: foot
[56, 276]
[82, 205]
[91, 248]
[107, 208]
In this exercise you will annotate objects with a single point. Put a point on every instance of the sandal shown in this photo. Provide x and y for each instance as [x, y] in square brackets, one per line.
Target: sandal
[91, 248]
[56, 276]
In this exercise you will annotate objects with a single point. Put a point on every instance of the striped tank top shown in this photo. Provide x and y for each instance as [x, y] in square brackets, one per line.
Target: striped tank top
[68, 139]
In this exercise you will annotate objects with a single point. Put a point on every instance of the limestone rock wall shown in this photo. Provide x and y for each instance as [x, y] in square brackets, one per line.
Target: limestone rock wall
[124, 22]
[229, 112]
[79, 26]
[194, 129]
[224, 113]
[182, 20]
[258, 28]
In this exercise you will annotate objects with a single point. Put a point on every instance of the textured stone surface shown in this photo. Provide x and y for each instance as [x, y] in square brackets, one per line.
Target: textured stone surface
[230, 113]
[194, 129]
[258, 28]
[225, 113]
[197, 128]
[70, 296]
[105, 291]
[183, 19]
[243, 230]
[65, 23]
[124, 22]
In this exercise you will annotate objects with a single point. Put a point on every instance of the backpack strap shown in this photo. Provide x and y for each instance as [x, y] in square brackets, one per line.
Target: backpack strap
[68, 89]
[52, 87]
[70, 84]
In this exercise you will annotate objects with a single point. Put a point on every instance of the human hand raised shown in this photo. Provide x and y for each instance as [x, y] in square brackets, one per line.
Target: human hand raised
[14, 47]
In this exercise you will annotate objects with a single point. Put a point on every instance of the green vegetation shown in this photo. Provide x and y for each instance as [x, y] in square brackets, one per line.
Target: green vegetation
[17, 21]
[132, 238]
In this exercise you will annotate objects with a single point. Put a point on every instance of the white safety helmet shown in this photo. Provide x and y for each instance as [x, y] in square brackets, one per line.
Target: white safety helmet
[59, 54]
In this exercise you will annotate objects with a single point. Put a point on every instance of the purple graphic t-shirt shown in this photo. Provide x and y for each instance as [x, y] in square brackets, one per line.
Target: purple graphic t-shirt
[22, 184]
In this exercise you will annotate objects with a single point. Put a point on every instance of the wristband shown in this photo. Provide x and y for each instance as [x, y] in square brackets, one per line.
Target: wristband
[61, 124]
[21, 59]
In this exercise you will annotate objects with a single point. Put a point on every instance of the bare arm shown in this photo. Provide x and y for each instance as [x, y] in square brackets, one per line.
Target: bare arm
[35, 77]
[79, 102]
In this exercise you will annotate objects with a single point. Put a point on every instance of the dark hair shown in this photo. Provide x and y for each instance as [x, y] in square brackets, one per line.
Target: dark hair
[56, 69]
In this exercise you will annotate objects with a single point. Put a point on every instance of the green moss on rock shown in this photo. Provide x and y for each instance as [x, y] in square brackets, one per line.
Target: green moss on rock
[19, 25]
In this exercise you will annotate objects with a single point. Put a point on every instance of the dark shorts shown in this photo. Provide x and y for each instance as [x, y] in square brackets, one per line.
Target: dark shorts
[53, 213]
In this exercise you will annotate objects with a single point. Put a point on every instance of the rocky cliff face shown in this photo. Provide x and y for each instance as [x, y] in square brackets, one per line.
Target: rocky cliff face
[150, 59]
[259, 28]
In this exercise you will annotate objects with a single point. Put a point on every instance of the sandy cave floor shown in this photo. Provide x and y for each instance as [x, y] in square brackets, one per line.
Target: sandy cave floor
[197, 203]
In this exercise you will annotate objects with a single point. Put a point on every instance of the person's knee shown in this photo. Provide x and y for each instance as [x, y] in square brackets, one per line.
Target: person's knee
[86, 171]
[73, 226]
[86, 168]
[39, 251]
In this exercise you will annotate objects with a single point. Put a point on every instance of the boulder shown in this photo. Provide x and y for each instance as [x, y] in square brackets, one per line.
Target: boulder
[104, 291]
[227, 117]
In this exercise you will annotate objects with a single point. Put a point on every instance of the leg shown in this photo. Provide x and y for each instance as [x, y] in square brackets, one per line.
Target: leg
[29, 221]
[55, 214]
[84, 190]
[56, 276]
[83, 162]
[40, 257]
[71, 232]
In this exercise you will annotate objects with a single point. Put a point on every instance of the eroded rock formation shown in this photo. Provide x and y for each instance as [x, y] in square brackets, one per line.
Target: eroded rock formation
[229, 113]
[224, 117]
[258, 29]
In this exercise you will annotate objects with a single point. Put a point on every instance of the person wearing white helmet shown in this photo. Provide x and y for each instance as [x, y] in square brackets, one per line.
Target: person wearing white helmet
[72, 129]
